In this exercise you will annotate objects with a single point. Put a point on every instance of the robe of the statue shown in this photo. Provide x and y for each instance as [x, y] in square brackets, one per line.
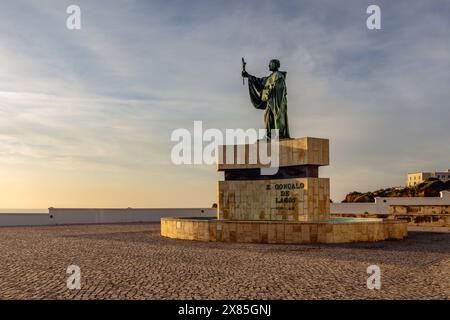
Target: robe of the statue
[269, 94]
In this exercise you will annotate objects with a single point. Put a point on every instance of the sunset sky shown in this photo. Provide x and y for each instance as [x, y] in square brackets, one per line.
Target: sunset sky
[86, 115]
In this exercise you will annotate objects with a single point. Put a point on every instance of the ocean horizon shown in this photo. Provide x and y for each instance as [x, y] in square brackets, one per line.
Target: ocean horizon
[39, 210]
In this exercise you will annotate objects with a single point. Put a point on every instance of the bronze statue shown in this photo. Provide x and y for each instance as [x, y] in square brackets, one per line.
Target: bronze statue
[269, 94]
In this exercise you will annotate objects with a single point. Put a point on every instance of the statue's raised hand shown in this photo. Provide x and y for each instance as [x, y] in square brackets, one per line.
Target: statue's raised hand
[245, 74]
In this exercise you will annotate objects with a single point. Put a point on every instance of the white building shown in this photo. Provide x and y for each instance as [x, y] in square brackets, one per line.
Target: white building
[415, 178]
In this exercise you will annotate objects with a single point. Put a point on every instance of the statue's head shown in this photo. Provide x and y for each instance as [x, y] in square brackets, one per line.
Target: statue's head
[274, 65]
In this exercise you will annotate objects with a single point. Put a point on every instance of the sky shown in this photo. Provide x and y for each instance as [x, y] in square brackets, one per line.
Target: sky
[86, 115]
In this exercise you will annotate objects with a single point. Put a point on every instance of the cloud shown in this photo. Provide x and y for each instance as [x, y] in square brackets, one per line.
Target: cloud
[107, 97]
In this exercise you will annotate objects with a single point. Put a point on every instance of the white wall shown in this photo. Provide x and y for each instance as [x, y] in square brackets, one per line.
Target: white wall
[336, 208]
[24, 219]
[98, 215]
[382, 204]
[124, 215]
[444, 199]
[88, 216]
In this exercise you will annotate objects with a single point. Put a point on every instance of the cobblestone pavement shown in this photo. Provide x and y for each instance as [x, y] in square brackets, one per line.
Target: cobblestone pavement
[133, 262]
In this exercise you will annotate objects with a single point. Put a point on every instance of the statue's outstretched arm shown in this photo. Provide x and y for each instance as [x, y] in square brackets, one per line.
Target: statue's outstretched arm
[245, 74]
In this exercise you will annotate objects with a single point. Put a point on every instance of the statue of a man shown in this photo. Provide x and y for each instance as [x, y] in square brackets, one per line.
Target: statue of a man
[269, 94]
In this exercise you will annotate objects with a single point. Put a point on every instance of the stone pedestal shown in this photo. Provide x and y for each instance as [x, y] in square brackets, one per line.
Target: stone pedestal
[294, 193]
[291, 206]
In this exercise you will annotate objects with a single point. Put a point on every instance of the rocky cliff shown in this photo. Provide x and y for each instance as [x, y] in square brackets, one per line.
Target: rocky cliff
[429, 188]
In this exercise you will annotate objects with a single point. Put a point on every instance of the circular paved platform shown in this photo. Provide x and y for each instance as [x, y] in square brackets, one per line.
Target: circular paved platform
[336, 230]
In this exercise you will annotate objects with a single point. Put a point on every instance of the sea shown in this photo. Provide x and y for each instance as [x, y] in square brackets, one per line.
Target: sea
[44, 210]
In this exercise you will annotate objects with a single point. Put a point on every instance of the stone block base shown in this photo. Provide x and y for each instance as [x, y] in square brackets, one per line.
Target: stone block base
[300, 199]
[366, 230]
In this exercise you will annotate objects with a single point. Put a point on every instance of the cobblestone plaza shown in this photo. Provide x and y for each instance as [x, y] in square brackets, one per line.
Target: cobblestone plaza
[132, 261]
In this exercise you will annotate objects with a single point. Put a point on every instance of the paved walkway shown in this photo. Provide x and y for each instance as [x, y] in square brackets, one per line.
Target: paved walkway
[133, 262]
